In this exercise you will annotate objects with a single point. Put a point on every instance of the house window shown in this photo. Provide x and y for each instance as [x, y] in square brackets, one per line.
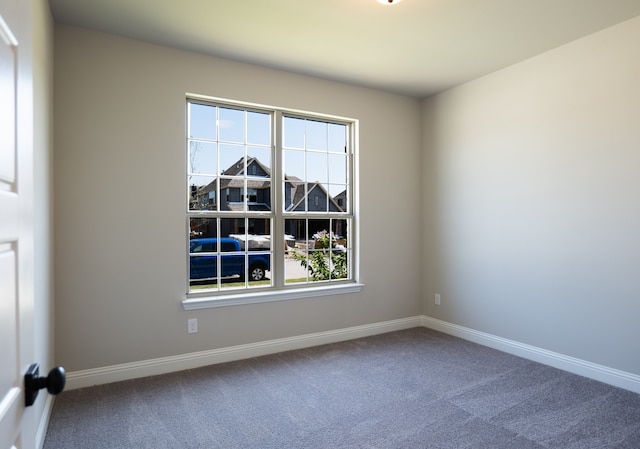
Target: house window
[285, 184]
[252, 195]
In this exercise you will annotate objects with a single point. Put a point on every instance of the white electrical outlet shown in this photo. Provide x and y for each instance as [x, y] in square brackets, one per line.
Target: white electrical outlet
[437, 299]
[192, 326]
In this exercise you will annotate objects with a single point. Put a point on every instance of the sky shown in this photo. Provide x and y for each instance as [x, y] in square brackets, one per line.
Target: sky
[314, 151]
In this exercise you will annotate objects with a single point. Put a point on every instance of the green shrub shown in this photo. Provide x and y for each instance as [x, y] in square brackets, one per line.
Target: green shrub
[326, 261]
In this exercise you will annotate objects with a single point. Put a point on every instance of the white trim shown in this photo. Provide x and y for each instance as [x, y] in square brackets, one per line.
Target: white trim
[262, 107]
[126, 371]
[278, 290]
[6, 34]
[43, 425]
[9, 401]
[207, 302]
[601, 373]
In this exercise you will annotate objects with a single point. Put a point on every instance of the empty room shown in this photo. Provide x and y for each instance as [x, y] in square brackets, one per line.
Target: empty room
[196, 249]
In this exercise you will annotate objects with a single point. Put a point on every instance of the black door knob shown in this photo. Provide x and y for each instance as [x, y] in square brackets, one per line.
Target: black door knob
[54, 382]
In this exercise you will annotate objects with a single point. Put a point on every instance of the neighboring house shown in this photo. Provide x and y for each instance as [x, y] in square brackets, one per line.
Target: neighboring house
[341, 200]
[232, 189]
[316, 195]
[257, 193]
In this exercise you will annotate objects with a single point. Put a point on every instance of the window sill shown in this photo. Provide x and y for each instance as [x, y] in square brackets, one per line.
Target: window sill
[208, 302]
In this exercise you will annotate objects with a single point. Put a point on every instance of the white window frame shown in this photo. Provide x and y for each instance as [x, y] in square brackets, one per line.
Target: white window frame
[279, 290]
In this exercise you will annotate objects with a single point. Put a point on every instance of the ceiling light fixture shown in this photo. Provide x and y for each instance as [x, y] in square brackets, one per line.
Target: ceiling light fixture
[389, 2]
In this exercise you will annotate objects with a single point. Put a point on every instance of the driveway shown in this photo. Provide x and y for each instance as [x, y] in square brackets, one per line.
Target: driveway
[293, 269]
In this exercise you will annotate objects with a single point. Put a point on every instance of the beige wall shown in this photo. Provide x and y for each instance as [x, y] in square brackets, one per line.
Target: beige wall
[532, 200]
[120, 265]
[524, 197]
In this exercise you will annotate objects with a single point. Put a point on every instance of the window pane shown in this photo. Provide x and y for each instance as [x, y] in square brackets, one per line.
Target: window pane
[203, 269]
[317, 198]
[317, 230]
[203, 158]
[294, 164]
[258, 195]
[258, 128]
[248, 244]
[259, 230]
[340, 263]
[231, 194]
[337, 168]
[293, 132]
[259, 269]
[202, 193]
[202, 121]
[297, 245]
[231, 163]
[295, 232]
[340, 230]
[317, 167]
[231, 125]
[340, 249]
[232, 227]
[324, 256]
[316, 135]
[252, 233]
[232, 159]
[233, 233]
[259, 258]
[202, 227]
[337, 138]
[295, 196]
[262, 158]
[332, 204]
[339, 194]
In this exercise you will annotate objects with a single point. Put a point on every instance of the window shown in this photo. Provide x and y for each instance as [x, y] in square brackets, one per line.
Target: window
[272, 190]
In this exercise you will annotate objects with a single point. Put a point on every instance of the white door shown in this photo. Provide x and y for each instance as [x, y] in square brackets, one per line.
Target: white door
[16, 235]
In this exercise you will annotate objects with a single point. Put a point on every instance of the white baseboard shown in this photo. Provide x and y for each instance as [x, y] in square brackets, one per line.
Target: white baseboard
[43, 425]
[126, 371]
[573, 365]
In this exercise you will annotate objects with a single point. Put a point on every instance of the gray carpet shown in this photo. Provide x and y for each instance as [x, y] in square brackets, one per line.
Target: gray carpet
[410, 389]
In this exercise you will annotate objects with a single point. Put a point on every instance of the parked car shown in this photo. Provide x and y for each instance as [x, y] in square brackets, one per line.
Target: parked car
[205, 265]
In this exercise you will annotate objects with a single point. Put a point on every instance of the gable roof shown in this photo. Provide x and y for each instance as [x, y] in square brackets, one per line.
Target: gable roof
[237, 169]
[298, 190]
[298, 193]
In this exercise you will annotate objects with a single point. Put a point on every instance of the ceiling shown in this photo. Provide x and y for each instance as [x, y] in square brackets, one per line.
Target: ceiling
[415, 47]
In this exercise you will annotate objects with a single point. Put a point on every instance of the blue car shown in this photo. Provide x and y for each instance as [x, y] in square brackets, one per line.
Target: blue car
[203, 260]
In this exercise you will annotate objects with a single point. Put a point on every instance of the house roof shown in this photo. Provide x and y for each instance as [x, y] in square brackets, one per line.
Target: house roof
[298, 194]
[231, 178]
[237, 169]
